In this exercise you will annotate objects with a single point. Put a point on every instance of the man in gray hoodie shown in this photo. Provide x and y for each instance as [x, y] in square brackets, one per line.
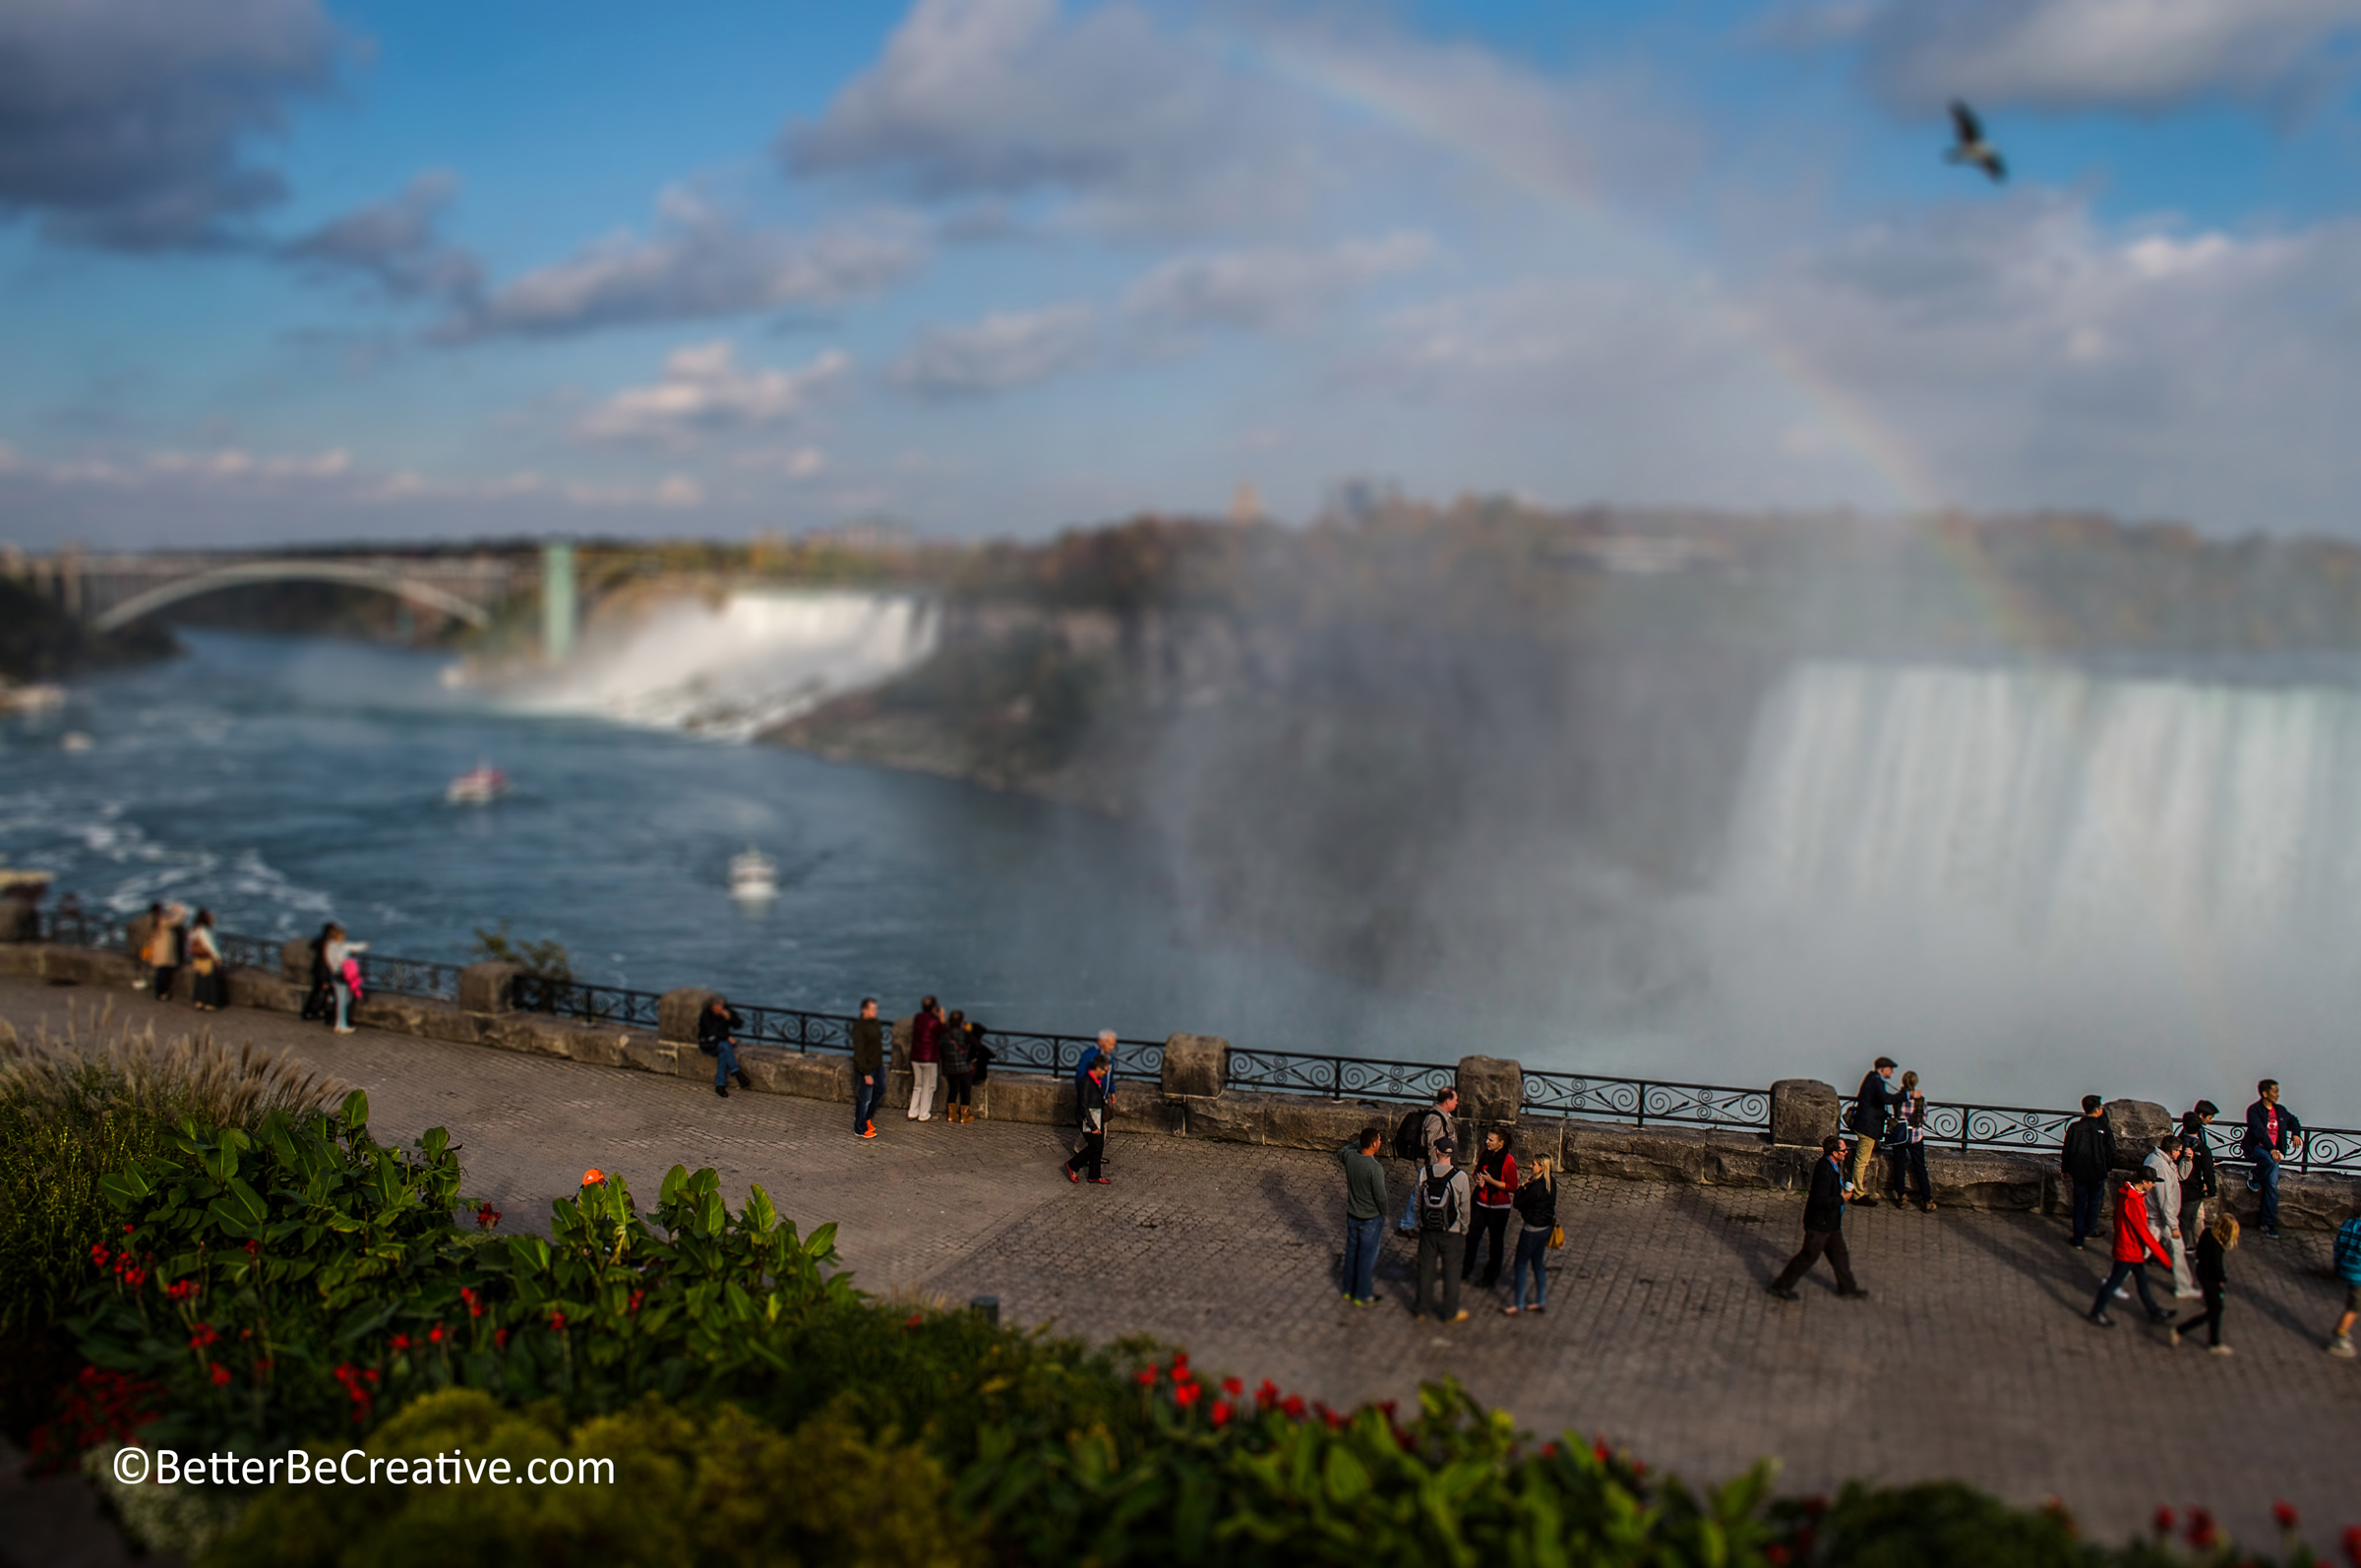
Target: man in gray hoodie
[1444, 1202]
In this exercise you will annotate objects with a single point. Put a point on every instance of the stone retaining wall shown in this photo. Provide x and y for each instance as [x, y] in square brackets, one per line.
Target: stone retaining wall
[1199, 1106]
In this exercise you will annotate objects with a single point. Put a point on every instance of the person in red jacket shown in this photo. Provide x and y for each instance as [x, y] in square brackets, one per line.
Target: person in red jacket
[2135, 1244]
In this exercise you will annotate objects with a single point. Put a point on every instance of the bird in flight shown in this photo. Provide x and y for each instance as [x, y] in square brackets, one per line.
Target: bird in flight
[1970, 146]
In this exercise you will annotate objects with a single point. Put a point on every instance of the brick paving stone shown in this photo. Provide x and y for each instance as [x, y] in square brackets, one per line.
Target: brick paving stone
[1970, 1359]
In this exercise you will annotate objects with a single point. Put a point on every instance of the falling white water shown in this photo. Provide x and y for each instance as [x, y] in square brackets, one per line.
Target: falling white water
[735, 669]
[2041, 883]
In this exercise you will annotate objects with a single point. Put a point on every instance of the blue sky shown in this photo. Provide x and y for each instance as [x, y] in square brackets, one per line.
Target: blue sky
[287, 268]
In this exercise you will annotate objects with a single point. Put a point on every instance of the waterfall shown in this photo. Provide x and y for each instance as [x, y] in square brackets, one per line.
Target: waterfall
[735, 669]
[2051, 880]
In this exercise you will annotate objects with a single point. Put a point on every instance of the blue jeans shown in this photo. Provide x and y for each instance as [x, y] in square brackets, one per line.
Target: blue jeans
[1362, 1240]
[2089, 1206]
[725, 1063]
[2136, 1273]
[343, 1005]
[1533, 1247]
[866, 1099]
[2267, 1172]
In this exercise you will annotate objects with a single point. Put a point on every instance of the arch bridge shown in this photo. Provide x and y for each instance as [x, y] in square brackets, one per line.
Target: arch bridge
[110, 592]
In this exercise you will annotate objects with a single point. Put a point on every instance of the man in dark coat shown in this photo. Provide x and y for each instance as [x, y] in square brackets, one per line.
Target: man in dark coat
[1823, 1226]
[869, 1067]
[2272, 1135]
[2084, 1161]
[1871, 1107]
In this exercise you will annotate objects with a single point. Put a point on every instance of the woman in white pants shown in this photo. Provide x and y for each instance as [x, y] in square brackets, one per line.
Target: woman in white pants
[926, 1059]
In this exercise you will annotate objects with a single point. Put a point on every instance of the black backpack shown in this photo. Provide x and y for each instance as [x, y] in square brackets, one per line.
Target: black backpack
[1410, 1138]
[1439, 1204]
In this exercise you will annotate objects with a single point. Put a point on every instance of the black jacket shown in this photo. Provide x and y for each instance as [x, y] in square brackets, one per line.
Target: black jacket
[2212, 1263]
[1824, 1210]
[1869, 1107]
[1536, 1204]
[2258, 1129]
[2090, 1152]
[2201, 1181]
[869, 1047]
[712, 1028]
[1092, 1104]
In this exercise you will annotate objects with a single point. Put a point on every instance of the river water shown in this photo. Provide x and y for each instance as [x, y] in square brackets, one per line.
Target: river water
[283, 780]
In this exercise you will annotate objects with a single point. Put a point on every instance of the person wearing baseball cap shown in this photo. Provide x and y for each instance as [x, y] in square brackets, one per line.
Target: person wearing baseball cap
[1445, 1203]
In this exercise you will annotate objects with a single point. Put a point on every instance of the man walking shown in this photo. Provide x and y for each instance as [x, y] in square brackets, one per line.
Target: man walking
[2346, 1258]
[1094, 1128]
[1365, 1215]
[1871, 1107]
[2272, 1136]
[715, 1039]
[2135, 1244]
[2086, 1158]
[1445, 1203]
[1433, 1122]
[869, 1068]
[1823, 1226]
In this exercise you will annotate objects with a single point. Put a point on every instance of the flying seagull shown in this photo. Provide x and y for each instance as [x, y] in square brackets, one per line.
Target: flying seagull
[1971, 146]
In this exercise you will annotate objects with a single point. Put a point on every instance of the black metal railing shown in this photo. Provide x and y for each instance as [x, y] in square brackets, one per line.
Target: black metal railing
[794, 1029]
[1338, 1077]
[1058, 1054]
[2018, 1129]
[575, 998]
[1641, 1101]
[405, 977]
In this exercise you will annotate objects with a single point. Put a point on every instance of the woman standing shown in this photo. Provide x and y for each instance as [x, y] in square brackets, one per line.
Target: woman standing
[2213, 1277]
[211, 988]
[1496, 1178]
[958, 1069]
[343, 962]
[1536, 1207]
[166, 943]
[926, 1059]
[318, 1004]
[1906, 1137]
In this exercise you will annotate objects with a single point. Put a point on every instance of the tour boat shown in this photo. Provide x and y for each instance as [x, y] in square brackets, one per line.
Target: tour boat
[753, 874]
[478, 786]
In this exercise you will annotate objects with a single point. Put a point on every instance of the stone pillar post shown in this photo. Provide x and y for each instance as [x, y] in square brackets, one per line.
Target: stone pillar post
[677, 1012]
[1803, 1111]
[488, 987]
[1492, 1092]
[295, 961]
[2138, 1125]
[1196, 1065]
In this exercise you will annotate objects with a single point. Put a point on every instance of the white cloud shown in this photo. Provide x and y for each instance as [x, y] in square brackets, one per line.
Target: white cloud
[2067, 55]
[700, 263]
[394, 245]
[704, 391]
[1002, 351]
[1271, 287]
[1004, 97]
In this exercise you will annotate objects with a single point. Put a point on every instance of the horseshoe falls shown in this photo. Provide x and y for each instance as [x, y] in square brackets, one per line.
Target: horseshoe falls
[2033, 884]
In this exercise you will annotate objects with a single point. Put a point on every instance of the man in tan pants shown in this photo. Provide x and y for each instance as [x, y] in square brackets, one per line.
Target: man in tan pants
[1870, 1108]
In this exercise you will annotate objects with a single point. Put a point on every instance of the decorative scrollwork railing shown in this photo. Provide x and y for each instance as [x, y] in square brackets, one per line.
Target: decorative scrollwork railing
[575, 998]
[1641, 1101]
[1058, 1054]
[406, 976]
[792, 1028]
[1338, 1077]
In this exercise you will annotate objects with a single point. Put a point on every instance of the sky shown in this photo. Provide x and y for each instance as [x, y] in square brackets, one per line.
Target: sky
[345, 270]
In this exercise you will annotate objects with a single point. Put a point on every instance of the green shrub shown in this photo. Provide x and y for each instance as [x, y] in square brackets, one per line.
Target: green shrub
[716, 1486]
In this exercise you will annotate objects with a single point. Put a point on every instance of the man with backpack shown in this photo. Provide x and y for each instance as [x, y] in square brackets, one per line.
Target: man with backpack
[1443, 1202]
[2348, 1269]
[2086, 1159]
[1415, 1139]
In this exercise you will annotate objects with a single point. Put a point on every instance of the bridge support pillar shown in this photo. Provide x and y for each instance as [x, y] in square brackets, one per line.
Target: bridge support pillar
[557, 599]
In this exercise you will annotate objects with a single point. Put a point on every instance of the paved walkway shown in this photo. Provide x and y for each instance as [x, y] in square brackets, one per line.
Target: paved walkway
[1970, 1359]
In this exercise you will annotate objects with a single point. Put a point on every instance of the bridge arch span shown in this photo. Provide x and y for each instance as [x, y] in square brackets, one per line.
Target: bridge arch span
[415, 589]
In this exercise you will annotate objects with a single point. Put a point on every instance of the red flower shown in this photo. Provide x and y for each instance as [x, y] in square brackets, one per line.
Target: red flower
[434, 1336]
[180, 1290]
[2353, 1544]
[202, 1334]
[637, 1297]
[1267, 1395]
[399, 1343]
[1185, 1394]
[2202, 1533]
[1294, 1405]
[557, 1320]
[1598, 1452]
[220, 1375]
[135, 1278]
[487, 1216]
[2164, 1521]
[1179, 1366]
[1147, 1377]
[368, 1373]
[475, 1307]
[99, 1256]
[1336, 1422]
[254, 1249]
[1220, 1416]
[2285, 1512]
[1233, 1387]
[914, 1320]
[1548, 1450]
[128, 1229]
[500, 1339]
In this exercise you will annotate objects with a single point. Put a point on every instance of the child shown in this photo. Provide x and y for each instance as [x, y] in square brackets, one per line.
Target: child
[2212, 1274]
